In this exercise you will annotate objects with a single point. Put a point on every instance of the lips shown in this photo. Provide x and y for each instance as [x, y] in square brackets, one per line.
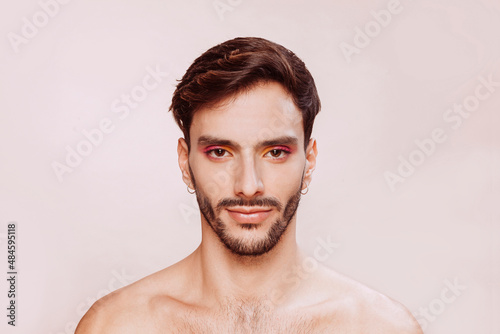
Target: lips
[249, 216]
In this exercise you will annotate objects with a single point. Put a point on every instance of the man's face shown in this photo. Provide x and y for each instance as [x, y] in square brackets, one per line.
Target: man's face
[247, 164]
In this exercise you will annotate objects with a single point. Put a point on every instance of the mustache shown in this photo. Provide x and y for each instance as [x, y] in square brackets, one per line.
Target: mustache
[265, 201]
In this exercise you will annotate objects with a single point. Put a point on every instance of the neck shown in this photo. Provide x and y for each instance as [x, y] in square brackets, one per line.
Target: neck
[226, 276]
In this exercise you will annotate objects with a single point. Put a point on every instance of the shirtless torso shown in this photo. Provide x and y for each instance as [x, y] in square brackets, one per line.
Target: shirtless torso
[174, 301]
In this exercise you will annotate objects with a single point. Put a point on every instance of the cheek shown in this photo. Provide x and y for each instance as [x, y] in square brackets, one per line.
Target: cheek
[285, 180]
[212, 179]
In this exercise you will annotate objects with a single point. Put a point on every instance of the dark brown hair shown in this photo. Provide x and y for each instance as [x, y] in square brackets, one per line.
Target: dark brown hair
[239, 64]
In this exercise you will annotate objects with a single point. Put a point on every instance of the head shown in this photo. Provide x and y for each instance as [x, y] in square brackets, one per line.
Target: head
[246, 108]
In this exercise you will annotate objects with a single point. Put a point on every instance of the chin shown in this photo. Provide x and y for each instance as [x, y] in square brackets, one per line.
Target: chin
[251, 239]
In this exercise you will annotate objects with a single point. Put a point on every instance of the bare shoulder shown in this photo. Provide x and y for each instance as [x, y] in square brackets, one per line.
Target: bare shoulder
[131, 309]
[382, 314]
[364, 310]
[102, 315]
[115, 313]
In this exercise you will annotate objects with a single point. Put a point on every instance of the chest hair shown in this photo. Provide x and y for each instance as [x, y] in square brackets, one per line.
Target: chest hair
[237, 317]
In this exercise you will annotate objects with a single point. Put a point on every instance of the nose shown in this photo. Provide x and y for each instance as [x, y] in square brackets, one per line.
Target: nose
[248, 182]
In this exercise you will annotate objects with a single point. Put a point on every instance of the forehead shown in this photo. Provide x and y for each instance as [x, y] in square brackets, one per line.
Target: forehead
[264, 112]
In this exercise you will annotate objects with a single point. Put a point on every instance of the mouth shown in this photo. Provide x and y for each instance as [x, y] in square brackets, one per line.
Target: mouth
[249, 215]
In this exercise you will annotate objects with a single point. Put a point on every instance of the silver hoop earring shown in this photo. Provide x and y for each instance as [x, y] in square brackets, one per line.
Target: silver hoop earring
[307, 190]
[191, 192]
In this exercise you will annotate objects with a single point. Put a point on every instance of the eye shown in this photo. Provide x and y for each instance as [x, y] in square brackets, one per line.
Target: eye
[217, 153]
[277, 153]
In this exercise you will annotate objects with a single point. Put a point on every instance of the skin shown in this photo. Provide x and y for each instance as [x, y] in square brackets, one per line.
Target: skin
[218, 290]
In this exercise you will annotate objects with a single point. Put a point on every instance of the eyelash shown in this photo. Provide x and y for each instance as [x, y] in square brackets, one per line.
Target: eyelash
[209, 151]
[285, 151]
[280, 149]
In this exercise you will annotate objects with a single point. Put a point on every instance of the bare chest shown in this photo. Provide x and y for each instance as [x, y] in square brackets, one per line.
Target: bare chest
[243, 319]
[245, 324]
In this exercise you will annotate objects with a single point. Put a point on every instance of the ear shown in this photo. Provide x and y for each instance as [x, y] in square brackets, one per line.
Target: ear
[311, 154]
[183, 159]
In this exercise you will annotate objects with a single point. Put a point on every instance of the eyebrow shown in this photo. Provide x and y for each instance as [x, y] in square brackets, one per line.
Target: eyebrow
[211, 140]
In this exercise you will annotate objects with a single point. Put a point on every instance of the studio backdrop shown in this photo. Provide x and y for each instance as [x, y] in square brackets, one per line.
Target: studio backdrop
[405, 196]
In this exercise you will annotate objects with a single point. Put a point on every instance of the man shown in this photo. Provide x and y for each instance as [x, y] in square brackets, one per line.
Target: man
[246, 108]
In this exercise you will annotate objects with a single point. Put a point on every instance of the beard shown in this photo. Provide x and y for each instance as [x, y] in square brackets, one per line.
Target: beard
[239, 246]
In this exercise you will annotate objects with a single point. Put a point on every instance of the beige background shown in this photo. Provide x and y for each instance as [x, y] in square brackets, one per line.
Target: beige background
[124, 211]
